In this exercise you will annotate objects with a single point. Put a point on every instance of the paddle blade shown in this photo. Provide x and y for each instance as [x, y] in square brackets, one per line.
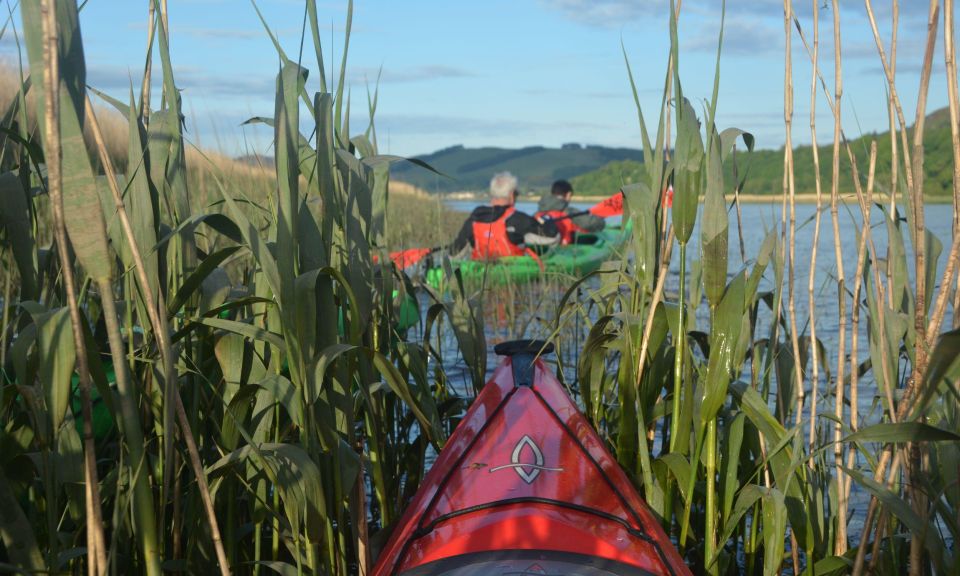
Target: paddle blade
[406, 258]
[612, 206]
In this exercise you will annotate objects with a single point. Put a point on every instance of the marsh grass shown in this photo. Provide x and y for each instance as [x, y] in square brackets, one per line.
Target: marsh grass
[227, 325]
[242, 347]
[719, 418]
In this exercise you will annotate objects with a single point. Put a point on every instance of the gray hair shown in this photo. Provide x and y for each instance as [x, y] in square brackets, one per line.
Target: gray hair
[503, 185]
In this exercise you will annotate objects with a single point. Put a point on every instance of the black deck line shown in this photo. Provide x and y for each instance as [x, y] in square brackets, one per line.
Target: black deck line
[623, 500]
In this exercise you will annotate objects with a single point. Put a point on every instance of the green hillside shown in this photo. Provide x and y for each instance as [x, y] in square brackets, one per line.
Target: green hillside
[608, 179]
[536, 166]
[765, 167]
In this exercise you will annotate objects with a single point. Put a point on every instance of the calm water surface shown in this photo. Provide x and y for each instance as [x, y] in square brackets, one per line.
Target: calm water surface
[756, 221]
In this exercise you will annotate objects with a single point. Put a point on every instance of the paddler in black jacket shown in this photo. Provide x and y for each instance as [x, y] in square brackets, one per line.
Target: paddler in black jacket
[556, 206]
[499, 230]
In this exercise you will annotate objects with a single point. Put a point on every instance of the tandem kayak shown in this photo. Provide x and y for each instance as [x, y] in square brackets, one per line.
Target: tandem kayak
[525, 486]
[584, 257]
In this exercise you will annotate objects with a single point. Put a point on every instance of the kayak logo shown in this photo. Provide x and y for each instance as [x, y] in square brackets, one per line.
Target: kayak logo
[528, 471]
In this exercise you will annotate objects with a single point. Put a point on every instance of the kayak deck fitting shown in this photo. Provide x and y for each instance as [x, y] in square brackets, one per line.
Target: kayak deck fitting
[525, 486]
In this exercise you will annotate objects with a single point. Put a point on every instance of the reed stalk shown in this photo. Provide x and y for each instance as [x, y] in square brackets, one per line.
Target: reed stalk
[96, 547]
[678, 358]
[811, 284]
[158, 319]
[683, 228]
[748, 496]
[843, 485]
[789, 188]
[840, 544]
[145, 107]
[950, 63]
[894, 149]
[7, 294]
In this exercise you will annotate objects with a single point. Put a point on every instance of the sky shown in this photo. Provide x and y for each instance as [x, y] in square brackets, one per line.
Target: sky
[509, 73]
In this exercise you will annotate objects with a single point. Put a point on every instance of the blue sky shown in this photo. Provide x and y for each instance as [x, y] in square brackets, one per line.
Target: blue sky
[507, 72]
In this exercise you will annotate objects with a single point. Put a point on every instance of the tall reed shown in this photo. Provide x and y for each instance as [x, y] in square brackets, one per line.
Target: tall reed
[243, 390]
[757, 478]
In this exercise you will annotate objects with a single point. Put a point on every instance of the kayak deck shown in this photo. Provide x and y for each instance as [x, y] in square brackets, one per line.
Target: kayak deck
[523, 481]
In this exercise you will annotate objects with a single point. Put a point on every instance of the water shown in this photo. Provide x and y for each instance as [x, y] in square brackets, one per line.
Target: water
[760, 218]
[757, 220]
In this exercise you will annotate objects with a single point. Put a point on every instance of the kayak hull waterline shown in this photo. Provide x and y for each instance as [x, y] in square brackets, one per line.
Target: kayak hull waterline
[569, 260]
[524, 485]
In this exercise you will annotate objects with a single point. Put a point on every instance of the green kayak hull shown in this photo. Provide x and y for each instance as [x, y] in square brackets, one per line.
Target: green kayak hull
[569, 260]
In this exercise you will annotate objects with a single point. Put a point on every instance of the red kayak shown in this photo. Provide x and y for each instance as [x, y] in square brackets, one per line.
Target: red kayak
[524, 487]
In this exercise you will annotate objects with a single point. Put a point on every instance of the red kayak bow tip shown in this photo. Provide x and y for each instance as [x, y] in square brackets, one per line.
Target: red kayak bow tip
[524, 480]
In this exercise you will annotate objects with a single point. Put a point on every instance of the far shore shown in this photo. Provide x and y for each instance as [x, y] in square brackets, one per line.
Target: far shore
[806, 198]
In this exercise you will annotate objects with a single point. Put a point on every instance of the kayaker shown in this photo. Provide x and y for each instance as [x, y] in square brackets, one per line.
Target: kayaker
[555, 206]
[498, 229]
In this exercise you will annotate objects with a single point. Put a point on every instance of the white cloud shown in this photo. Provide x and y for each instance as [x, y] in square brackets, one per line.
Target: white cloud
[405, 75]
[607, 13]
[114, 79]
[740, 36]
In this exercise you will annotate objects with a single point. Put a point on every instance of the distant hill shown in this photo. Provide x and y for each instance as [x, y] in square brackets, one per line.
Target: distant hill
[765, 167]
[608, 179]
[537, 167]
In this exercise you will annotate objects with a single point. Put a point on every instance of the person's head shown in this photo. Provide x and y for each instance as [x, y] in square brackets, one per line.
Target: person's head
[562, 189]
[503, 189]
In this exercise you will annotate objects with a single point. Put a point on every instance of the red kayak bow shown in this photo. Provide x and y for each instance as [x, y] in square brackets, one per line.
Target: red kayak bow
[525, 486]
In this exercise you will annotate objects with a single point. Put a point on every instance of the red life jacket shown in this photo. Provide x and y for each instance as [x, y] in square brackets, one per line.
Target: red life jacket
[565, 225]
[490, 239]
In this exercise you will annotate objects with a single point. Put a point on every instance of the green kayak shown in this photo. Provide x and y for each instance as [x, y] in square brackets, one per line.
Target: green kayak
[585, 256]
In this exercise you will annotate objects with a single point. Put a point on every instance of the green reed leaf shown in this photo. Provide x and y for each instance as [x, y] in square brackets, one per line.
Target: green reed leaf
[281, 568]
[889, 432]
[420, 401]
[728, 139]
[748, 496]
[679, 466]
[251, 238]
[286, 138]
[194, 281]
[81, 203]
[688, 164]
[774, 512]
[243, 329]
[943, 370]
[16, 533]
[18, 228]
[297, 479]
[642, 203]
[730, 464]
[723, 347]
[286, 394]
[904, 512]
[714, 229]
[141, 202]
[57, 354]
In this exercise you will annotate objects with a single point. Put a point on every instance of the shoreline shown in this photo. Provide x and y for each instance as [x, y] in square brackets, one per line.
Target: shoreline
[805, 198]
